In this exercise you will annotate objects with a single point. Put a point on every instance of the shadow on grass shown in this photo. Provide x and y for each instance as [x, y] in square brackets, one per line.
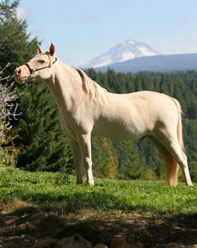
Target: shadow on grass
[94, 199]
[88, 200]
[150, 231]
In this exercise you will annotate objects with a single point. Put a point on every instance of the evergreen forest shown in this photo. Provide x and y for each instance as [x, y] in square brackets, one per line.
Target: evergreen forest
[37, 141]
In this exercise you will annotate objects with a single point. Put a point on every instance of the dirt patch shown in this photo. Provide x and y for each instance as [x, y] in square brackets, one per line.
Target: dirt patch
[22, 227]
[14, 232]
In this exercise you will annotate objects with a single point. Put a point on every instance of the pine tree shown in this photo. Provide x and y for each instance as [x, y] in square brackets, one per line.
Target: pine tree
[41, 143]
[104, 158]
[131, 165]
[112, 161]
[11, 38]
[16, 47]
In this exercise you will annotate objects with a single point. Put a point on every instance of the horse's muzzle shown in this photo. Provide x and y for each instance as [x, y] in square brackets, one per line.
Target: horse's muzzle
[21, 75]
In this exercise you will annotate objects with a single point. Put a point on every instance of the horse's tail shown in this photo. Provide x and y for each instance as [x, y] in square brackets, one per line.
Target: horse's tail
[171, 165]
[179, 125]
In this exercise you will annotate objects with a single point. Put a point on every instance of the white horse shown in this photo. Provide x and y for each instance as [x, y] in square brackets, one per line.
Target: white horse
[85, 108]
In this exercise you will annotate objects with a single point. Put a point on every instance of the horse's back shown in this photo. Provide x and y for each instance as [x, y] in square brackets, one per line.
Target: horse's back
[156, 107]
[135, 114]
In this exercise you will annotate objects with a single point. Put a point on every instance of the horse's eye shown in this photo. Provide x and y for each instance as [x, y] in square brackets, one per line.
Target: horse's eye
[41, 61]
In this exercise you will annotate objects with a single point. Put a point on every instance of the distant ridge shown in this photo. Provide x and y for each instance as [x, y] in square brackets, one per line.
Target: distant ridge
[158, 63]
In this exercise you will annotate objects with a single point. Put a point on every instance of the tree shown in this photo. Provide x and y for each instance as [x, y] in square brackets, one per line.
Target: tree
[41, 143]
[44, 146]
[104, 158]
[8, 111]
[16, 47]
[131, 166]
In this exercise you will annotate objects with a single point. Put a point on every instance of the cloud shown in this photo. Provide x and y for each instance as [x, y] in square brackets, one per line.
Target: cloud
[182, 22]
[21, 13]
[83, 18]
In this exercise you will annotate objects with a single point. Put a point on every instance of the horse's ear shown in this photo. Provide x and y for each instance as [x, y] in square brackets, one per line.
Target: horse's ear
[40, 50]
[52, 49]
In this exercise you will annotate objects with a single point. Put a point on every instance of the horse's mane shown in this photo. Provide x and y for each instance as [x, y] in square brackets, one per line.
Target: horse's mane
[90, 87]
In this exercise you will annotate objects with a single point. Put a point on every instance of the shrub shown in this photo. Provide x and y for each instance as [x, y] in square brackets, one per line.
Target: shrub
[8, 112]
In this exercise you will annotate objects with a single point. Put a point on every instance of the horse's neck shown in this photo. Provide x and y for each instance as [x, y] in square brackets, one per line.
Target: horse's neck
[65, 86]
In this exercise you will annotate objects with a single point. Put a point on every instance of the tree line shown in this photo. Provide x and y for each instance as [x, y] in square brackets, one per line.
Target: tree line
[38, 142]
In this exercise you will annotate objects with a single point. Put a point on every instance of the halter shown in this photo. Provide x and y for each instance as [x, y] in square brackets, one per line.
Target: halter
[39, 69]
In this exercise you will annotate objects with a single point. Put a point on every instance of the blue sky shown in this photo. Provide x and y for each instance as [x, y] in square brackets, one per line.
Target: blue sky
[83, 29]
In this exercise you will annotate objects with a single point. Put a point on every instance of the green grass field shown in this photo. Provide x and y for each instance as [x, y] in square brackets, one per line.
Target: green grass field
[54, 190]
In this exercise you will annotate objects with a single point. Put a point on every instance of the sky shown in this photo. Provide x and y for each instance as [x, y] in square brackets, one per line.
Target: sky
[84, 29]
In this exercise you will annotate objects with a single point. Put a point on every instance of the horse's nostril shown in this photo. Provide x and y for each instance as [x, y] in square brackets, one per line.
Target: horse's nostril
[18, 71]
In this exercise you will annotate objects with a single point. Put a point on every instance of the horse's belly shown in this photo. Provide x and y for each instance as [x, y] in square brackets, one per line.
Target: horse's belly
[112, 133]
[116, 130]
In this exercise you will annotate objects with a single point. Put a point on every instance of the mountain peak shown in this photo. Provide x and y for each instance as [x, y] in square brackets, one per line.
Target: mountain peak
[127, 42]
[125, 50]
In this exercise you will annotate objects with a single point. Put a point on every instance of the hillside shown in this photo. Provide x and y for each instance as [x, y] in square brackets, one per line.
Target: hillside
[44, 208]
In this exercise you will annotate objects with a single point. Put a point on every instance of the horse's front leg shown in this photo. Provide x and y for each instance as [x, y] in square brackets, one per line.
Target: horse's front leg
[85, 144]
[78, 160]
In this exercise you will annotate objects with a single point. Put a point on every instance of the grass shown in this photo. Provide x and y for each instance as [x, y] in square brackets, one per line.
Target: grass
[54, 190]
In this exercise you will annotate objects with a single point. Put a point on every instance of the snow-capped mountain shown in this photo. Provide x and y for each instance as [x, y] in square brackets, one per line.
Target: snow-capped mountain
[123, 51]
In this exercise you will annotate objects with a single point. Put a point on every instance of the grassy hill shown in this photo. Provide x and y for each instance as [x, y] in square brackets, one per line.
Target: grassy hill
[148, 214]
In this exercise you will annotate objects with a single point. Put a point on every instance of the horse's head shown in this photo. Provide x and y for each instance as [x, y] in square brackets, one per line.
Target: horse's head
[38, 67]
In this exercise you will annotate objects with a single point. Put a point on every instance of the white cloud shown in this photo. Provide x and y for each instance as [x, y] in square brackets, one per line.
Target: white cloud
[182, 22]
[21, 13]
[82, 18]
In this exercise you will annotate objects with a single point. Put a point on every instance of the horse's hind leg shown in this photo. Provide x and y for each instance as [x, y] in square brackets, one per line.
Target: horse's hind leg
[171, 165]
[172, 145]
[184, 165]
